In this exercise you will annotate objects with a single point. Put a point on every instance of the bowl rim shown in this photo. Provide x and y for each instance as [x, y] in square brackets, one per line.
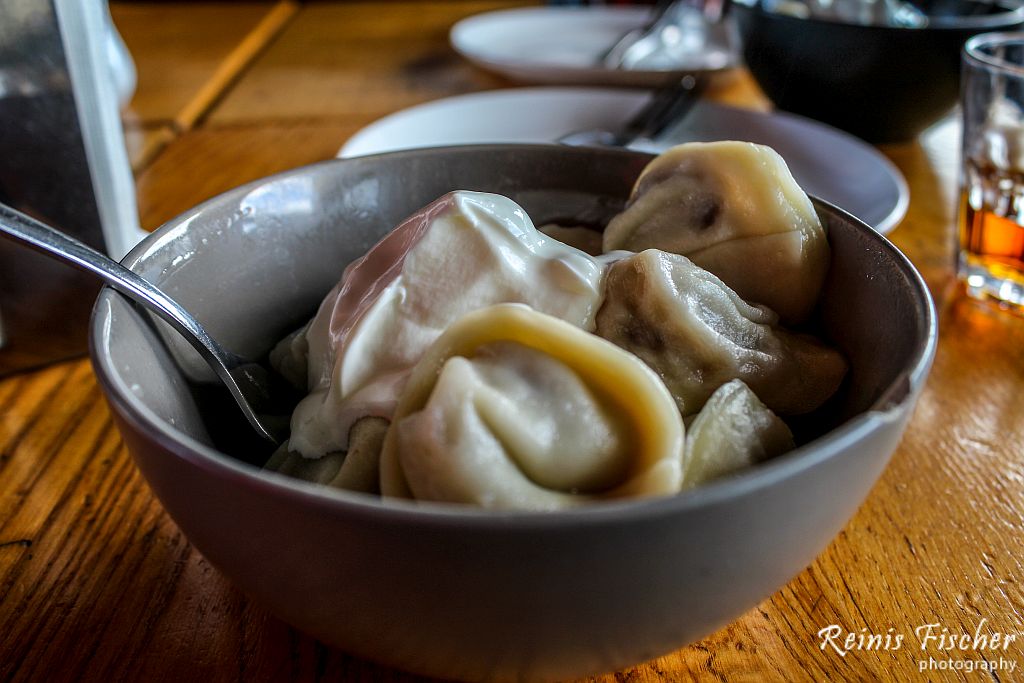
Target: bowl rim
[1013, 15]
[895, 400]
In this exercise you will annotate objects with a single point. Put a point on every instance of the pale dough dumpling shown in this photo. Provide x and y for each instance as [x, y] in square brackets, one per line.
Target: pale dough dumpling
[465, 251]
[357, 469]
[733, 208]
[290, 358]
[515, 409]
[698, 334]
[733, 430]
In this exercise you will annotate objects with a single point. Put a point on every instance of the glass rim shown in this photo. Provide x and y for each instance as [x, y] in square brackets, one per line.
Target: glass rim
[973, 55]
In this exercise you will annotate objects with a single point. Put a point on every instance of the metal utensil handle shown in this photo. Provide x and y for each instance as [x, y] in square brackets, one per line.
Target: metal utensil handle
[51, 242]
[667, 106]
[612, 56]
[235, 372]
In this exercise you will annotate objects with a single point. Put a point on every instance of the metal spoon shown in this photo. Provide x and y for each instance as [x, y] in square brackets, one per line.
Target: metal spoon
[248, 382]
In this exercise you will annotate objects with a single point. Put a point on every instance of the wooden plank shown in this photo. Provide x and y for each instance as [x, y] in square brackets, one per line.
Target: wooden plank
[235, 63]
[178, 48]
[358, 58]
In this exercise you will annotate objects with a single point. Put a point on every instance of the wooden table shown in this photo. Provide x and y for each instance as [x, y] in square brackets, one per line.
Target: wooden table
[96, 582]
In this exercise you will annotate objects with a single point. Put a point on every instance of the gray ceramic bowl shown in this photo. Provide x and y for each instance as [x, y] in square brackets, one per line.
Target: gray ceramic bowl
[457, 592]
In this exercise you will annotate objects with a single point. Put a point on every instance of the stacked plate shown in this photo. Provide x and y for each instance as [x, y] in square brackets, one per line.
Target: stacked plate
[562, 45]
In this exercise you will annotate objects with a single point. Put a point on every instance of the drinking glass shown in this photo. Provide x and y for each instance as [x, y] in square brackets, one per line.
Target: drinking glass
[991, 218]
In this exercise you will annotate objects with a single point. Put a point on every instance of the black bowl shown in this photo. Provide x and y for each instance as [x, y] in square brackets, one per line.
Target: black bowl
[881, 83]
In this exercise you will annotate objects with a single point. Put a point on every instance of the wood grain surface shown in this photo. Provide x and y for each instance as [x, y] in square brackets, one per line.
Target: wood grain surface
[358, 60]
[97, 584]
[181, 49]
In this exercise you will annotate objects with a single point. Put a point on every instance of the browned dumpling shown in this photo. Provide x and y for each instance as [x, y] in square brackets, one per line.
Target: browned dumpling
[697, 334]
[733, 208]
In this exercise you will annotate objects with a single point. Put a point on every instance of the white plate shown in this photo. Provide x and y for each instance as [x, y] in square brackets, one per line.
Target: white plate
[827, 163]
[562, 45]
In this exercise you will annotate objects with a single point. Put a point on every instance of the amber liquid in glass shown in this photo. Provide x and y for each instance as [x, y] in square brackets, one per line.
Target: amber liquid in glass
[991, 231]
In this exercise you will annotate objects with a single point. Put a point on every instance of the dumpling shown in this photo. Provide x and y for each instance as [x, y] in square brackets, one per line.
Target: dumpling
[733, 430]
[358, 469]
[697, 334]
[514, 409]
[290, 359]
[733, 208]
[465, 251]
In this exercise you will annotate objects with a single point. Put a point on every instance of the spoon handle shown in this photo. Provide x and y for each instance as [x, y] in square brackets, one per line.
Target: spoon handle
[56, 244]
[245, 380]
